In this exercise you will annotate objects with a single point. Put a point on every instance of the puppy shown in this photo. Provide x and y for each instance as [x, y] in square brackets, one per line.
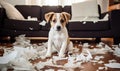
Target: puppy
[58, 38]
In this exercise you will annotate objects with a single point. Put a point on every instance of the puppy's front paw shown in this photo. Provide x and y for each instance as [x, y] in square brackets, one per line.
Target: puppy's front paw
[61, 55]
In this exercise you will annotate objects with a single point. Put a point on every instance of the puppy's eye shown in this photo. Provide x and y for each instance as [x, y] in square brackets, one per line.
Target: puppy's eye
[62, 21]
[54, 20]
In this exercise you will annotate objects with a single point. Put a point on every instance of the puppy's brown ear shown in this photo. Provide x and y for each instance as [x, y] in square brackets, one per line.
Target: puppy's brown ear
[48, 16]
[66, 16]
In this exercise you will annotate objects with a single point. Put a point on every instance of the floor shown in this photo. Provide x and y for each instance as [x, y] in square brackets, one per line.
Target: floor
[88, 66]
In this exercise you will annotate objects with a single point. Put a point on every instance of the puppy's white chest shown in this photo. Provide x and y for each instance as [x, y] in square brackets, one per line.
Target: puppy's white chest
[58, 40]
[59, 37]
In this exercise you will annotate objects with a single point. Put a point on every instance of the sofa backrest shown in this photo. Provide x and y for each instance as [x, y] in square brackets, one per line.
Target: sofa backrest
[29, 10]
[37, 11]
[46, 9]
[67, 9]
[2, 15]
[40, 11]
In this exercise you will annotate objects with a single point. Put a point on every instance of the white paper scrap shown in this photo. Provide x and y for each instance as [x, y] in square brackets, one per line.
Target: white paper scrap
[98, 57]
[86, 45]
[113, 65]
[101, 68]
[50, 70]
[117, 51]
[43, 23]
[21, 64]
[7, 58]
[61, 70]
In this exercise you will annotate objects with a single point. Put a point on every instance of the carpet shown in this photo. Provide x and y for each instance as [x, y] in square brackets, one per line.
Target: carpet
[24, 56]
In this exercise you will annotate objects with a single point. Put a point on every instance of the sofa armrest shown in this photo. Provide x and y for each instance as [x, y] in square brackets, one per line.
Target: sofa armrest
[115, 20]
[23, 25]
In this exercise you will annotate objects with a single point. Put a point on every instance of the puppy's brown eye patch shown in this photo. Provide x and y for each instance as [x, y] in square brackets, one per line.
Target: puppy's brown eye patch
[62, 21]
[54, 20]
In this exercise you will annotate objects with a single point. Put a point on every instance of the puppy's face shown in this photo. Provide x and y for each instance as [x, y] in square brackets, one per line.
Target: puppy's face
[57, 20]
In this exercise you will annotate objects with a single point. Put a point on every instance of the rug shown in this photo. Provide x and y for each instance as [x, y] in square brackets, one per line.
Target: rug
[24, 56]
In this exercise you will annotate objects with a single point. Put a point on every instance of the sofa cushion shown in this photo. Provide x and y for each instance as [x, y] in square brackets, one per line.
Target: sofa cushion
[30, 10]
[89, 26]
[46, 9]
[22, 25]
[14, 33]
[11, 11]
[68, 9]
[104, 4]
[86, 11]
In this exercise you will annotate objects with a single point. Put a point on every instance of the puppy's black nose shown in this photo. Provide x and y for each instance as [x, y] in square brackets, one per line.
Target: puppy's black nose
[58, 28]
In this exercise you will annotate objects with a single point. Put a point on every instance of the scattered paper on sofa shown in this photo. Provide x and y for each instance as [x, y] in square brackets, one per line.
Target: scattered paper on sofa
[11, 11]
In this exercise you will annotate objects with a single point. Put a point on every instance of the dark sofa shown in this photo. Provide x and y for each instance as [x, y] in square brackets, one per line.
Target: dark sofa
[12, 28]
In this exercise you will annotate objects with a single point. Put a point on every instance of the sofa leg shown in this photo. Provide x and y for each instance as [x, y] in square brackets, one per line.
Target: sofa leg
[116, 40]
[97, 40]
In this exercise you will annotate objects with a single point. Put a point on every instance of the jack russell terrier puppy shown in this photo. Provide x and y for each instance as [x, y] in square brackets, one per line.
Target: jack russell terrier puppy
[58, 39]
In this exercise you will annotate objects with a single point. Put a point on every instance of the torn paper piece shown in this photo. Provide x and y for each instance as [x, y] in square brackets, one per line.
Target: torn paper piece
[50, 70]
[101, 68]
[42, 53]
[89, 56]
[100, 62]
[3, 69]
[27, 53]
[21, 64]
[97, 51]
[61, 70]
[31, 28]
[71, 63]
[84, 22]
[117, 51]
[85, 56]
[106, 17]
[108, 49]
[113, 65]
[81, 57]
[71, 59]
[41, 65]
[7, 58]
[75, 51]
[98, 57]
[102, 49]
[94, 61]
[43, 23]
[57, 58]
[114, 46]
[112, 61]
[106, 68]
[22, 40]
[32, 18]
[86, 45]
[100, 45]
